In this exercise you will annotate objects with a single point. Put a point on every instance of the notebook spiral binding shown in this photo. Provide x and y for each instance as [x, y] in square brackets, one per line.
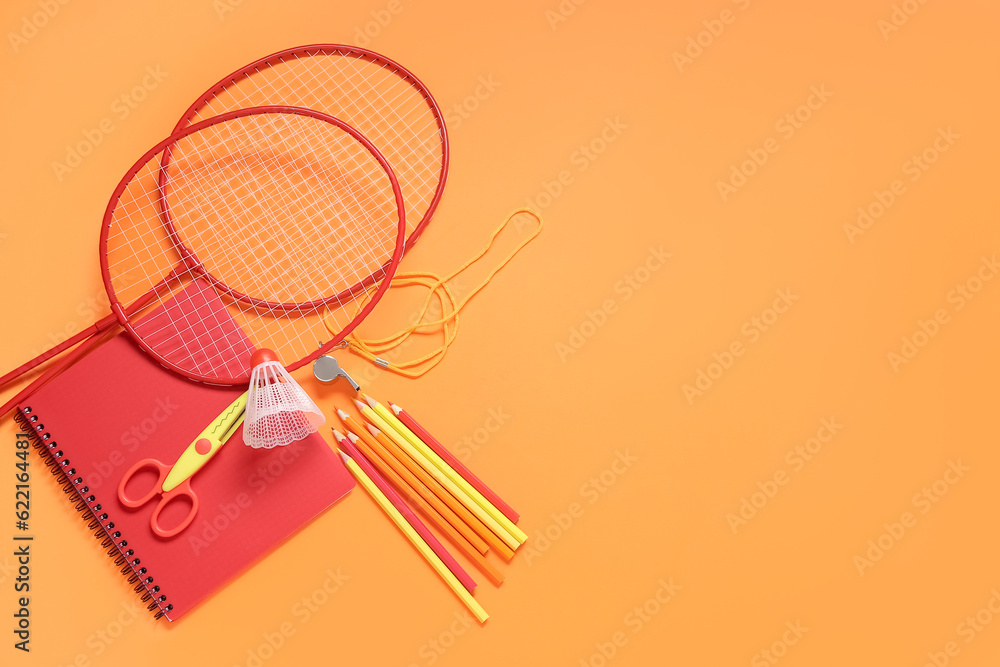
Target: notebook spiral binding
[93, 513]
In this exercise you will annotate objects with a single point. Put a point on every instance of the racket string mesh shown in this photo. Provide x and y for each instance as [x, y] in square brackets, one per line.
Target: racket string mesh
[380, 99]
[285, 215]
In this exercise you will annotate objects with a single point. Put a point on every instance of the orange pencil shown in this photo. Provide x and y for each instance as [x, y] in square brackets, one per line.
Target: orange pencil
[416, 481]
[409, 518]
[409, 422]
[377, 459]
[491, 538]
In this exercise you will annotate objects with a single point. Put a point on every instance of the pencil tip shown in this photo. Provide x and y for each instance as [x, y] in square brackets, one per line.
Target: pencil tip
[360, 405]
[374, 431]
[342, 414]
[344, 456]
[353, 438]
[395, 408]
[371, 401]
[338, 435]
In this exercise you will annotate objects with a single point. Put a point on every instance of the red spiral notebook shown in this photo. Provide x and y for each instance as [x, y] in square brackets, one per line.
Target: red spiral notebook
[116, 406]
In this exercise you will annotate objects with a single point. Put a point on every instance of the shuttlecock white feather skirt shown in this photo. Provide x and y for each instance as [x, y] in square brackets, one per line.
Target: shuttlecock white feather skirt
[278, 411]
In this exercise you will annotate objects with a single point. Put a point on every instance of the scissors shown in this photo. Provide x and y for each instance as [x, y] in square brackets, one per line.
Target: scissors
[175, 481]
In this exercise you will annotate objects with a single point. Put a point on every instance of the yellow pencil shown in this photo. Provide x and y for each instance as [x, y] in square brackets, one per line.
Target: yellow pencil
[431, 557]
[455, 490]
[443, 466]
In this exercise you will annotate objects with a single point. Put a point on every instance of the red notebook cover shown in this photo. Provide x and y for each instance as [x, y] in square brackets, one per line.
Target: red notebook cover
[116, 406]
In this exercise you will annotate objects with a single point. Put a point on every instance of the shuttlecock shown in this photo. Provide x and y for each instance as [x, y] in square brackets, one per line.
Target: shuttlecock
[278, 411]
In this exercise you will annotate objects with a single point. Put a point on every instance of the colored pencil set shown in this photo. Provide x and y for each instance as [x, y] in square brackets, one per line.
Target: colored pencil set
[398, 462]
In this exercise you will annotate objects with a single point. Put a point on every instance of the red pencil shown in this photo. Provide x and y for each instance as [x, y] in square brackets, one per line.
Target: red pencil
[463, 545]
[457, 465]
[407, 513]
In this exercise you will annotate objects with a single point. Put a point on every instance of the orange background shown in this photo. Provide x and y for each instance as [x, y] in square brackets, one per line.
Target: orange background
[568, 415]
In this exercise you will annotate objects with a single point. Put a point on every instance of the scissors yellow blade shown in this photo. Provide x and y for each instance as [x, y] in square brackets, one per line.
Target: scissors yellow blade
[204, 447]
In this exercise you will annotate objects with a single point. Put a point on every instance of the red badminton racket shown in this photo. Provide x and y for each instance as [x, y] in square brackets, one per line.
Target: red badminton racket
[380, 98]
[377, 96]
[270, 216]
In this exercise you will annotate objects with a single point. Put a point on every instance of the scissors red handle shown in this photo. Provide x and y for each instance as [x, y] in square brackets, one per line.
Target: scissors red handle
[182, 490]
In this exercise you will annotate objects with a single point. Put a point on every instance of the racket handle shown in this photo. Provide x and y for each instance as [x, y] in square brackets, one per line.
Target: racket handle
[53, 371]
[93, 330]
[101, 325]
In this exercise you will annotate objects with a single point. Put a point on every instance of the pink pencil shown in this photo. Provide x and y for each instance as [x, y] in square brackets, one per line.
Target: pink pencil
[398, 503]
[466, 474]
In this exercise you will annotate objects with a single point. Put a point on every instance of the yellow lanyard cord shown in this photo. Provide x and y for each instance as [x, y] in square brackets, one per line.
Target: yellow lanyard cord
[437, 288]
